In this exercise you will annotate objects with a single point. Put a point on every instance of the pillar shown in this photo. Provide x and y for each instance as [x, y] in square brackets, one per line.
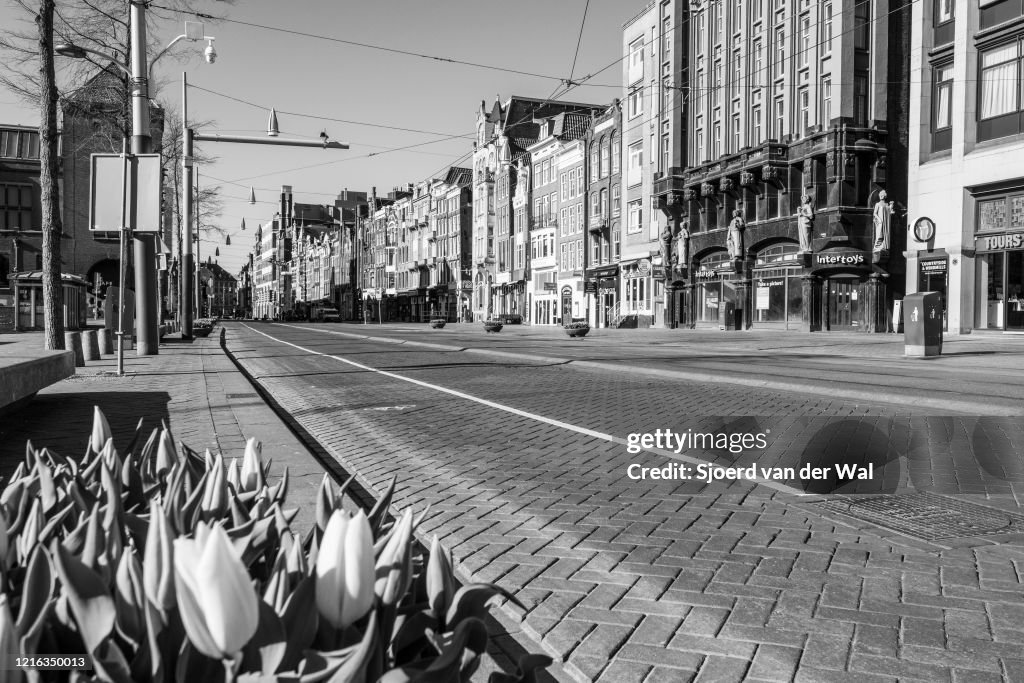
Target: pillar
[810, 316]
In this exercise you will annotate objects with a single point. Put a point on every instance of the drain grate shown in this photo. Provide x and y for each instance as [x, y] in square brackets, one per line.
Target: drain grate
[927, 516]
[242, 396]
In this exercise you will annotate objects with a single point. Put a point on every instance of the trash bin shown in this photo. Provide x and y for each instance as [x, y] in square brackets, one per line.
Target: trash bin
[727, 315]
[922, 324]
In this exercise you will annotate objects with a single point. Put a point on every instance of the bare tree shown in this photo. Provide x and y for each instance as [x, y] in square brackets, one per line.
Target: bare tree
[53, 319]
[27, 69]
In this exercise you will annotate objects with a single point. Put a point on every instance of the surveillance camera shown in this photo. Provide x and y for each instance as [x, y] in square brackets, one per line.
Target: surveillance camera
[210, 53]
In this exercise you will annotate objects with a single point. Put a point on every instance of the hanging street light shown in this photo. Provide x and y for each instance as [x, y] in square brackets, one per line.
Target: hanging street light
[252, 195]
[216, 252]
[227, 241]
[243, 224]
[272, 129]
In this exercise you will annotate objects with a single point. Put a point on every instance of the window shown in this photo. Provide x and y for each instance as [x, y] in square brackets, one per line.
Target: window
[826, 100]
[755, 10]
[803, 116]
[698, 146]
[737, 15]
[616, 154]
[736, 140]
[780, 52]
[636, 60]
[666, 97]
[666, 153]
[756, 125]
[716, 75]
[805, 40]
[737, 72]
[860, 99]
[941, 112]
[999, 81]
[780, 118]
[716, 140]
[604, 157]
[616, 208]
[635, 103]
[16, 207]
[635, 164]
[595, 166]
[862, 24]
[944, 11]
[603, 208]
[634, 217]
[19, 144]
[666, 37]
[698, 36]
[826, 28]
[755, 54]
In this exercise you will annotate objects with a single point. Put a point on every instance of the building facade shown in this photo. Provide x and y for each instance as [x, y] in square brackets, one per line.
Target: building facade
[602, 175]
[792, 99]
[966, 180]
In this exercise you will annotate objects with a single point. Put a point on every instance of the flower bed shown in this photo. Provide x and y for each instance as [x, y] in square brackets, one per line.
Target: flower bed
[163, 564]
[492, 326]
[577, 329]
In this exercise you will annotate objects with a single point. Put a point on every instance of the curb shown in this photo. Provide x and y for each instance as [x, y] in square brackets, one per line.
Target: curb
[880, 396]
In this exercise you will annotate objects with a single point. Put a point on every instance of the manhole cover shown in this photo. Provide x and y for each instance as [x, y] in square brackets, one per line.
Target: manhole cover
[927, 516]
[242, 395]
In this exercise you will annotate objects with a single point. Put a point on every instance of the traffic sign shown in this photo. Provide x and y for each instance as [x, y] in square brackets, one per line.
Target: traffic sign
[141, 208]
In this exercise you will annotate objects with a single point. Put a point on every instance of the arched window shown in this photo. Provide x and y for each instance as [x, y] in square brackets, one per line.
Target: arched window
[777, 253]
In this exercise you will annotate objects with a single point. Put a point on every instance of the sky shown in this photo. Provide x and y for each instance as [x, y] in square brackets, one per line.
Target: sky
[299, 74]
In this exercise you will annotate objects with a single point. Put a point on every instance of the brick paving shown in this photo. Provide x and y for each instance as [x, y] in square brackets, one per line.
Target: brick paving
[656, 580]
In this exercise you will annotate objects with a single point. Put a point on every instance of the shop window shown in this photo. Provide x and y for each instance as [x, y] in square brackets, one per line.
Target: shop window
[999, 102]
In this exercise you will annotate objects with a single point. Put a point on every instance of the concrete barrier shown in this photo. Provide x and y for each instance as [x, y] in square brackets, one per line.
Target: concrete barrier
[73, 343]
[106, 339]
[90, 345]
[24, 373]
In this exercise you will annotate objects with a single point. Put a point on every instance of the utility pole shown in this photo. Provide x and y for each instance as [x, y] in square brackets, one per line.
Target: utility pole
[144, 245]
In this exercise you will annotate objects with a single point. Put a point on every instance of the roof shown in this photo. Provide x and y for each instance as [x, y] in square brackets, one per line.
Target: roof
[458, 175]
[569, 126]
[27, 275]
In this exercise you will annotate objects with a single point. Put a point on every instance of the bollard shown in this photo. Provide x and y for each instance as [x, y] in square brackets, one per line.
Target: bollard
[90, 346]
[106, 342]
[73, 342]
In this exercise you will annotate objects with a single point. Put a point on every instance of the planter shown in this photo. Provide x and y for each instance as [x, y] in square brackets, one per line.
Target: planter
[492, 327]
[437, 324]
[577, 331]
[202, 331]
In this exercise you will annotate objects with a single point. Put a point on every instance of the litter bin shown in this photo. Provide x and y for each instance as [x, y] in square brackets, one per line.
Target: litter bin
[727, 315]
[922, 324]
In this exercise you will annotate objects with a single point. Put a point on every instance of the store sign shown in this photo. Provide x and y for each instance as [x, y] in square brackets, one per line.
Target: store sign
[706, 274]
[1000, 242]
[643, 267]
[933, 266]
[659, 272]
[844, 258]
[590, 287]
[550, 286]
[769, 283]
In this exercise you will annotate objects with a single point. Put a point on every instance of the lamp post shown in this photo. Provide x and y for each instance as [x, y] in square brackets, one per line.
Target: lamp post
[144, 246]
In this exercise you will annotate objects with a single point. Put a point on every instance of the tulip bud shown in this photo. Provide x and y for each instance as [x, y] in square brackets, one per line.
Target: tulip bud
[251, 477]
[100, 431]
[215, 494]
[157, 577]
[218, 605]
[440, 582]
[166, 456]
[344, 569]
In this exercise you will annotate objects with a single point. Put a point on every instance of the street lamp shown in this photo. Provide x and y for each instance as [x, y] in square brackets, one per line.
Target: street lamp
[146, 291]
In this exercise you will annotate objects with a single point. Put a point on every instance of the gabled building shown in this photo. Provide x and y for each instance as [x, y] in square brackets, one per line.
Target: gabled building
[504, 132]
[21, 222]
[604, 218]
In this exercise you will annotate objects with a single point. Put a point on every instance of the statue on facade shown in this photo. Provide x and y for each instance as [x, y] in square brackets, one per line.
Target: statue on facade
[734, 241]
[805, 223]
[667, 257]
[682, 245]
[882, 222]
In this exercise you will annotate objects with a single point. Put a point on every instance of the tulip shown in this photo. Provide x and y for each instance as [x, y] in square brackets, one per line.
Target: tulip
[100, 430]
[218, 605]
[166, 456]
[394, 571]
[215, 493]
[344, 569]
[157, 561]
[251, 478]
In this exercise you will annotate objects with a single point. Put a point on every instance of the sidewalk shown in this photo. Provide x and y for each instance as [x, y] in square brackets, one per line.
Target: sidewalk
[194, 388]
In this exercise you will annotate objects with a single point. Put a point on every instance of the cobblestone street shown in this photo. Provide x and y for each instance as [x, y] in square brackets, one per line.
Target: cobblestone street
[524, 466]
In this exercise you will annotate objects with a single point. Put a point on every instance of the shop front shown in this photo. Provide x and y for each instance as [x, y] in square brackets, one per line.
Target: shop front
[999, 287]
[639, 305]
[714, 291]
[602, 285]
[777, 285]
[850, 295]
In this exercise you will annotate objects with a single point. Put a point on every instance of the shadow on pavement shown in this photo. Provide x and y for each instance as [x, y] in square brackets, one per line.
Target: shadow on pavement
[63, 422]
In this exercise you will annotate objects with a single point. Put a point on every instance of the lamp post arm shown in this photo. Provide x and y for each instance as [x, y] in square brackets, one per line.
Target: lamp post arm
[107, 58]
[165, 51]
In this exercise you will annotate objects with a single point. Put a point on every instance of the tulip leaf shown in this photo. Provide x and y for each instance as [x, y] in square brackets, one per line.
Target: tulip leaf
[380, 511]
[456, 663]
[36, 591]
[325, 501]
[192, 665]
[354, 668]
[32, 632]
[90, 603]
[528, 666]
[110, 663]
[411, 637]
[47, 490]
[300, 620]
[471, 601]
[266, 649]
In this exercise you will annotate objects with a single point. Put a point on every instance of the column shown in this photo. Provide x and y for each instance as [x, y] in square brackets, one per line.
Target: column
[811, 286]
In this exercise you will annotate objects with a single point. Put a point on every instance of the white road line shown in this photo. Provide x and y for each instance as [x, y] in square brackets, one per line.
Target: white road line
[533, 416]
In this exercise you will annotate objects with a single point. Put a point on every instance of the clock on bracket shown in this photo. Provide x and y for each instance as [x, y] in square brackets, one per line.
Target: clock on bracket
[924, 229]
